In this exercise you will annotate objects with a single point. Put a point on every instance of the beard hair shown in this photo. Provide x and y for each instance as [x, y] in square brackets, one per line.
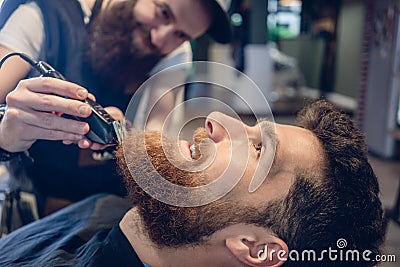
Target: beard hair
[111, 54]
[167, 225]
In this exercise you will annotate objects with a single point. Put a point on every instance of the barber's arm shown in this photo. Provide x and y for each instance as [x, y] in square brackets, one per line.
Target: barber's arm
[12, 71]
[33, 112]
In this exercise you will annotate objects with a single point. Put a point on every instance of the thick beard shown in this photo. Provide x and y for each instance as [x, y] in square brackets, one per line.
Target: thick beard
[112, 55]
[168, 225]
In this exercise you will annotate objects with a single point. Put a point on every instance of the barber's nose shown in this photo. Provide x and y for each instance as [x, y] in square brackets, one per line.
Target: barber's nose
[220, 126]
[163, 38]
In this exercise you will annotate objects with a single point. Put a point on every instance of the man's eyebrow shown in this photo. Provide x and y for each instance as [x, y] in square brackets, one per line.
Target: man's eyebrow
[277, 148]
[267, 129]
[168, 8]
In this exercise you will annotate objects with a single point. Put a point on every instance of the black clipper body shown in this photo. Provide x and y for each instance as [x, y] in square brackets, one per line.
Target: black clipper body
[103, 128]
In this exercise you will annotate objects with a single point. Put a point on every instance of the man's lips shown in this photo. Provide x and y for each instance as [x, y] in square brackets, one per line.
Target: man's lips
[191, 151]
[185, 149]
[146, 43]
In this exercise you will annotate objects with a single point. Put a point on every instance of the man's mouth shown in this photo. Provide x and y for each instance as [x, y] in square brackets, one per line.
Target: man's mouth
[192, 150]
[189, 151]
[185, 149]
[199, 135]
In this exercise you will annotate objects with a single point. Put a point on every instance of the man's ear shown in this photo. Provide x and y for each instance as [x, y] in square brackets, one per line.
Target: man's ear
[268, 251]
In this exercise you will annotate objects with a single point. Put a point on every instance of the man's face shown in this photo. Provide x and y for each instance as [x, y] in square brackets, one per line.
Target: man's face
[127, 38]
[288, 148]
[166, 24]
[167, 225]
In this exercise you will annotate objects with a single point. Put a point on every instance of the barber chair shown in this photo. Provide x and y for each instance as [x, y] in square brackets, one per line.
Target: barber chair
[17, 201]
[394, 212]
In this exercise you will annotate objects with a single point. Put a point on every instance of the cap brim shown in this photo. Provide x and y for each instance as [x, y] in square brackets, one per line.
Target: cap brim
[220, 29]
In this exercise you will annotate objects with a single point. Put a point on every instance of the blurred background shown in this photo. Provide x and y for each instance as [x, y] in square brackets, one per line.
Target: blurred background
[346, 51]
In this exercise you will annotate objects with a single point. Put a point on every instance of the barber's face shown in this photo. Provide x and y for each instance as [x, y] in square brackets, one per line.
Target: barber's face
[112, 54]
[128, 37]
[229, 143]
[166, 24]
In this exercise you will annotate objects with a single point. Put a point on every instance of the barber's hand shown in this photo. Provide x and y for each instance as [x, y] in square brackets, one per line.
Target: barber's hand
[33, 112]
[115, 113]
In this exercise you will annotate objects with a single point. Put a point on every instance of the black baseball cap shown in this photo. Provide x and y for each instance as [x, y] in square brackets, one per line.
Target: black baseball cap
[220, 29]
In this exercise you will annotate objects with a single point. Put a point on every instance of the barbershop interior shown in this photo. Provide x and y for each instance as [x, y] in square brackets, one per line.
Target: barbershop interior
[282, 55]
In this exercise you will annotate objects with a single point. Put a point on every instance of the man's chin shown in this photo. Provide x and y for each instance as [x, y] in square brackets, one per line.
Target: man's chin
[165, 224]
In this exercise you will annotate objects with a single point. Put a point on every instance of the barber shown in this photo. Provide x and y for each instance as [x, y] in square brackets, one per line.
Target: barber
[105, 48]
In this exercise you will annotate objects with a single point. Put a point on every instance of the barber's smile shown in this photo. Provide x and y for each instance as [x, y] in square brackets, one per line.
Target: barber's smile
[144, 36]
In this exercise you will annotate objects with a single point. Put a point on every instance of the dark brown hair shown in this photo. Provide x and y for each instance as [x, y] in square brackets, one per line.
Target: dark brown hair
[344, 204]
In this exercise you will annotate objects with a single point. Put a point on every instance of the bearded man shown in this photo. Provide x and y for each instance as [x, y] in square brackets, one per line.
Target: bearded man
[319, 189]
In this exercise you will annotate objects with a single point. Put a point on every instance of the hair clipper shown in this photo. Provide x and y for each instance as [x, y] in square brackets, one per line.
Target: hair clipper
[103, 128]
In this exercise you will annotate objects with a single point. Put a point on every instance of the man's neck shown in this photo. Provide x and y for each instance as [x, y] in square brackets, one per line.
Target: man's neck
[149, 253]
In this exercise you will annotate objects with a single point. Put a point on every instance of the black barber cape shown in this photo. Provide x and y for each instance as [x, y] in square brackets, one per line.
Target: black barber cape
[83, 234]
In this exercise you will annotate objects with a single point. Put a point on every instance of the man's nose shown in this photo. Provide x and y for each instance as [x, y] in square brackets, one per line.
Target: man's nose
[163, 37]
[220, 126]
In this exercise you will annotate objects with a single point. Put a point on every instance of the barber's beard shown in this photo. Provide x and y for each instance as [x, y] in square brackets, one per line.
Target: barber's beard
[168, 225]
[112, 54]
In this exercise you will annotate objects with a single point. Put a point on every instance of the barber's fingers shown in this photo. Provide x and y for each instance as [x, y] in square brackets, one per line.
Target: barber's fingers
[50, 85]
[48, 134]
[20, 128]
[97, 146]
[52, 103]
[47, 94]
[22, 144]
[86, 143]
[45, 120]
[82, 143]
[92, 97]
[115, 112]
[47, 103]
[23, 136]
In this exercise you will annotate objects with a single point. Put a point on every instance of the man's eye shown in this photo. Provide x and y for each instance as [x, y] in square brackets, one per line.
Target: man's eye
[164, 12]
[182, 36]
